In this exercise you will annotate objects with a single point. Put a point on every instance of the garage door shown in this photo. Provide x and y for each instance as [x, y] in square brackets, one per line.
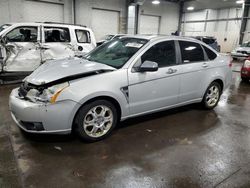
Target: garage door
[42, 11]
[104, 22]
[149, 24]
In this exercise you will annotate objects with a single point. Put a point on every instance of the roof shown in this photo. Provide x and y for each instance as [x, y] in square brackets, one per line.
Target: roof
[46, 23]
[160, 37]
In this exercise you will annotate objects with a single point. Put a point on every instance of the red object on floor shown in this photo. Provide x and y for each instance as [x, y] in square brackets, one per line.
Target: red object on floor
[245, 70]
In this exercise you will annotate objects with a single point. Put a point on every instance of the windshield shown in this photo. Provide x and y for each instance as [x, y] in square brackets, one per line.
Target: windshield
[246, 44]
[3, 27]
[116, 52]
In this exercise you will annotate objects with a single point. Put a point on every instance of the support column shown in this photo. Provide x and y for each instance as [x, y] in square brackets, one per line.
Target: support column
[245, 11]
[181, 3]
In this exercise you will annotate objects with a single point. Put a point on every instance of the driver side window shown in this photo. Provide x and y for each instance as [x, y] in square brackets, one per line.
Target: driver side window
[162, 53]
[22, 34]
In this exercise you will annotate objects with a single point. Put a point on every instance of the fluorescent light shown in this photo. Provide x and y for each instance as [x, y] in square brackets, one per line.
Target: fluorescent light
[156, 2]
[190, 8]
[240, 1]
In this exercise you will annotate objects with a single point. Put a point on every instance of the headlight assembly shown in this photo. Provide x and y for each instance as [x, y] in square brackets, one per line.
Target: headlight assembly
[47, 95]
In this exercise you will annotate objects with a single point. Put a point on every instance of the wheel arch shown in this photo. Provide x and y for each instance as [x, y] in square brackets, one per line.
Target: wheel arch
[102, 97]
[220, 82]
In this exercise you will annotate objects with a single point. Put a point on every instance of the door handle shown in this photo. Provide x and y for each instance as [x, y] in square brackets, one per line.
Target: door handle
[204, 65]
[171, 71]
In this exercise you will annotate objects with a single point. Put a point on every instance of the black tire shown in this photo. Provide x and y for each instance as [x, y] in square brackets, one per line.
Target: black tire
[204, 101]
[244, 79]
[235, 59]
[81, 115]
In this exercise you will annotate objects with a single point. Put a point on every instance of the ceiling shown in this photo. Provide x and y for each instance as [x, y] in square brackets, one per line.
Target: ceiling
[211, 4]
[200, 4]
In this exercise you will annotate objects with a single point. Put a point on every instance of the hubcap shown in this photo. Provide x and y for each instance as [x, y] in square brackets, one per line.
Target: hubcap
[98, 121]
[212, 96]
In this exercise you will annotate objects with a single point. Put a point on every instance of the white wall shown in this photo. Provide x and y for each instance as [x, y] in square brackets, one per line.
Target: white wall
[226, 29]
[169, 13]
[13, 10]
[84, 11]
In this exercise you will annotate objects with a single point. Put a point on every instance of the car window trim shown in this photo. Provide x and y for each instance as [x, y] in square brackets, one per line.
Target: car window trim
[44, 27]
[21, 27]
[205, 59]
[208, 59]
[176, 56]
[88, 33]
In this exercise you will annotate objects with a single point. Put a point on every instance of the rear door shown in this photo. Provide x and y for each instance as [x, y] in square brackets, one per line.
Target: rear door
[194, 64]
[21, 49]
[56, 43]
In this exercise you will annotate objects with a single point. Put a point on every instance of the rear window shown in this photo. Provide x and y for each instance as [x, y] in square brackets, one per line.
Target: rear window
[191, 52]
[82, 36]
[210, 54]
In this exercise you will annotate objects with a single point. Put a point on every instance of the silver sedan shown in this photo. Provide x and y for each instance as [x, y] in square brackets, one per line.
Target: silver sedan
[124, 78]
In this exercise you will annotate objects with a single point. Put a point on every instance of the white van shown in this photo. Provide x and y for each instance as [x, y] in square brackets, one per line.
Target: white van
[25, 46]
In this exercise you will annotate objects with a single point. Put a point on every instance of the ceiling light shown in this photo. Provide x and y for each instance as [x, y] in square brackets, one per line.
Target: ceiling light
[240, 1]
[156, 2]
[190, 8]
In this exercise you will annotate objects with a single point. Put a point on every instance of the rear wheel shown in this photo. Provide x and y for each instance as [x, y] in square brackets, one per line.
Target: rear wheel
[244, 79]
[212, 95]
[96, 120]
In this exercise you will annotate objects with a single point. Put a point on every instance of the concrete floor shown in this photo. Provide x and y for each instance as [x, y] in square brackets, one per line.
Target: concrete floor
[184, 147]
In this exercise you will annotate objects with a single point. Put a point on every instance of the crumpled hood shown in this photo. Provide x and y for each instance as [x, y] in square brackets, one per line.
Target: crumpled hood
[58, 69]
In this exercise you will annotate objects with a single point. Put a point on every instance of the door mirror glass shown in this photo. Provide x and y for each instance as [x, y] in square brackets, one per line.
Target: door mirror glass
[148, 66]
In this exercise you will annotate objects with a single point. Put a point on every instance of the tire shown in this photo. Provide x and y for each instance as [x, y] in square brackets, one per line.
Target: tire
[244, 79]
[210, 101]
[90, 123]
[235, 59]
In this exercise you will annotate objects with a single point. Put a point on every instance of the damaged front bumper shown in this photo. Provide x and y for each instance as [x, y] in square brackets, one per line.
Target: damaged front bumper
[42, 118]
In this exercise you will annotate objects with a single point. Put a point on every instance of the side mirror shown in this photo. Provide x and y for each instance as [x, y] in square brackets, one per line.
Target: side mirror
[148, 66]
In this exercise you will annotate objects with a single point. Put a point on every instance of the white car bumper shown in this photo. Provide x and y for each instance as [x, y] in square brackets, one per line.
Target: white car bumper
[42, 118]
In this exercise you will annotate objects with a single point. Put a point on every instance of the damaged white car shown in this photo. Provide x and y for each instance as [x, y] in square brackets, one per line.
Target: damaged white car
[123, 78]
[25, 46]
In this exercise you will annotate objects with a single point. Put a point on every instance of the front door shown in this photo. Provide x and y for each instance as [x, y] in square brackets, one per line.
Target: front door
[20, 49]
[56, 43]
[149, 91]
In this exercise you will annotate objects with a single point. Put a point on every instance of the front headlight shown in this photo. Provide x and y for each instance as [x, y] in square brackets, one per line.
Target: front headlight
[47, 95]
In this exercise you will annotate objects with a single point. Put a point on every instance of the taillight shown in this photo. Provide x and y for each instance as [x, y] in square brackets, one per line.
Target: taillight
[247, 63]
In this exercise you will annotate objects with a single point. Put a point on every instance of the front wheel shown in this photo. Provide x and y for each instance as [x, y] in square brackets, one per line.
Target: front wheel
[212, 96]
[96, 120]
